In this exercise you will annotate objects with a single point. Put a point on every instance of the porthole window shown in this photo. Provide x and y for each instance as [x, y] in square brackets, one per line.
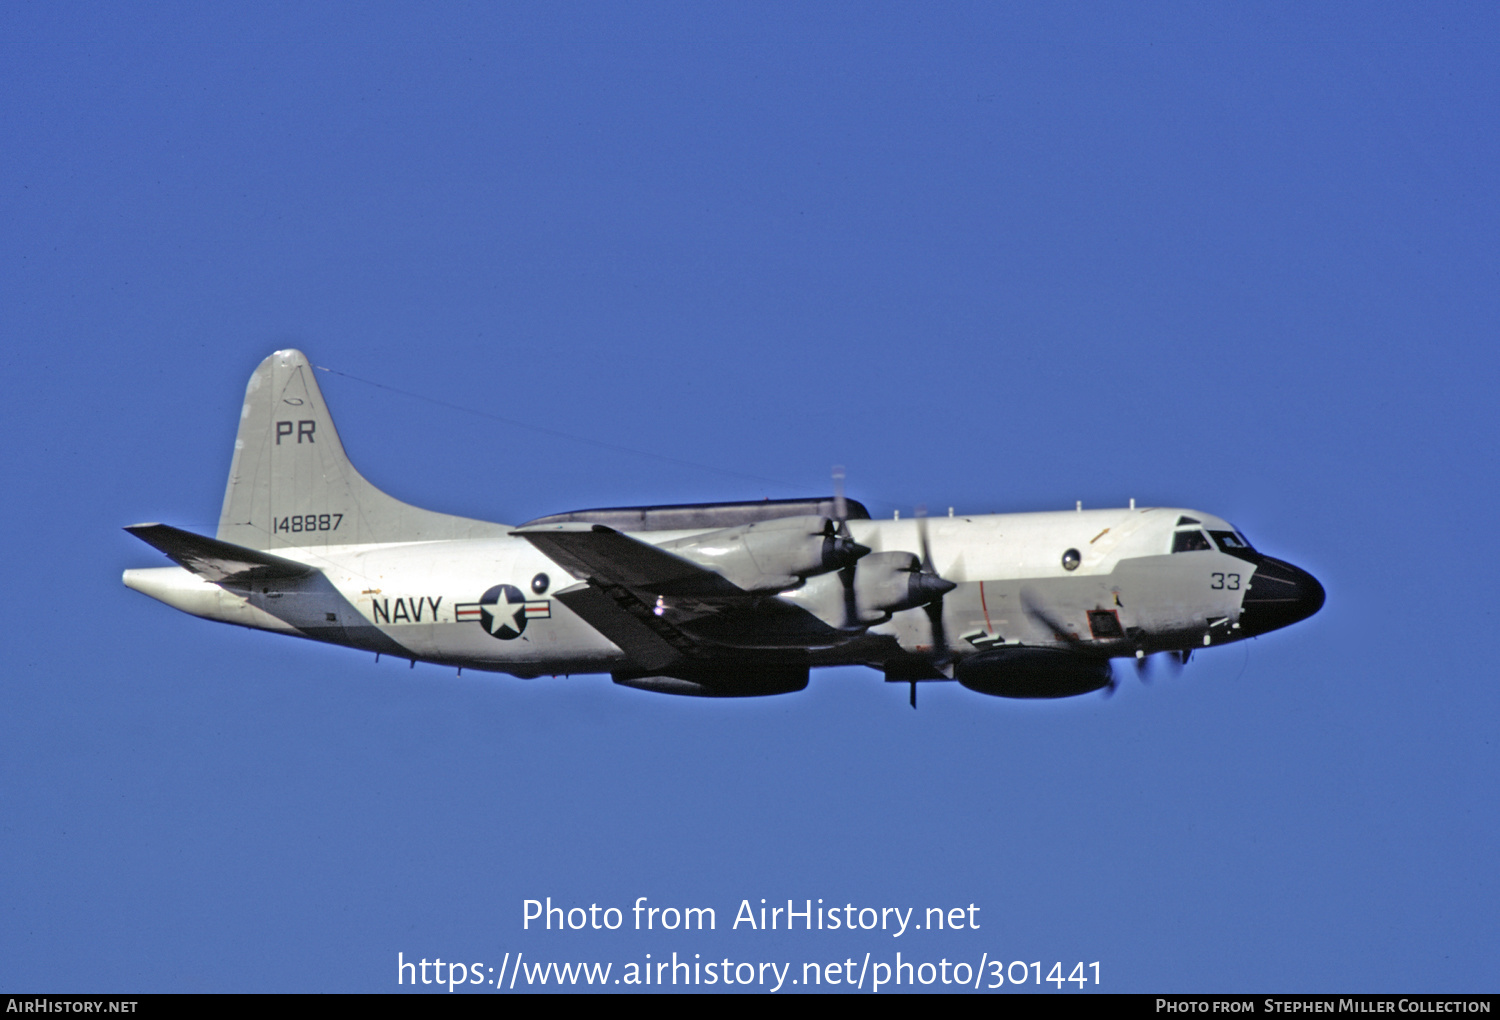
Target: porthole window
[539, 583]
[1071, 559]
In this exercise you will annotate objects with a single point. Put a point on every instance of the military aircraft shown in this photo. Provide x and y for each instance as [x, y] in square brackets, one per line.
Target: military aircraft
[716, 599]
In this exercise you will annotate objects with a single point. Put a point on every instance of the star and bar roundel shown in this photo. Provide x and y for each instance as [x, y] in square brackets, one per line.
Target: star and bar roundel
[503, 611]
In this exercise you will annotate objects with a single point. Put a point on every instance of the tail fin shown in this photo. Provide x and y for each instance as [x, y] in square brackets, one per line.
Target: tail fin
[291, 485]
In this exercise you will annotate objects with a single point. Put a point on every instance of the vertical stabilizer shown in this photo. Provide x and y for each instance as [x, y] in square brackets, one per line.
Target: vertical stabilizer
[291, 485]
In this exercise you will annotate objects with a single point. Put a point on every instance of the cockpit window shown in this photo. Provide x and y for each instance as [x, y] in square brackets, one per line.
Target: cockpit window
[1187, 520]
[1231, 541]
[1189, 541]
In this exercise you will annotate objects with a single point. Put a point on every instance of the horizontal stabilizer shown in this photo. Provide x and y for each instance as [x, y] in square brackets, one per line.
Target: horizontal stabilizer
[216, 561]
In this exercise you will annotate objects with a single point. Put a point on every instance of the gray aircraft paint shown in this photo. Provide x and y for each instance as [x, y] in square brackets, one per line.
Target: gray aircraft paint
[289, 465]
[693, 610]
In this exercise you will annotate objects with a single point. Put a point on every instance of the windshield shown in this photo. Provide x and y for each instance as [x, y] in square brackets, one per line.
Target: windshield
[1189, 541]
[1231, 541]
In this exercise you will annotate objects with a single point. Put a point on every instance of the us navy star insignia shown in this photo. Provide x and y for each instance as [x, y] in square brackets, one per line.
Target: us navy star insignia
[503, 611]
[506, 613]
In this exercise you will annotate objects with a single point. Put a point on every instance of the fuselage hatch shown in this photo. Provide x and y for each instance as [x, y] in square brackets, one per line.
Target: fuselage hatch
[727, 599]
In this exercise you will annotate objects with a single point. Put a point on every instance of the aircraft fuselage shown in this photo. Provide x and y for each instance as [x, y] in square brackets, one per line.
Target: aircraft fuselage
[726, 599]
[1128, 593]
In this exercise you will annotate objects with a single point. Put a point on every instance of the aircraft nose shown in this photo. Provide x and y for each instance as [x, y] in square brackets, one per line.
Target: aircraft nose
[1279, 595]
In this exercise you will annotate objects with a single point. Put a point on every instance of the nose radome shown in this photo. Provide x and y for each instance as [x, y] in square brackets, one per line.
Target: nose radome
[1279, 595]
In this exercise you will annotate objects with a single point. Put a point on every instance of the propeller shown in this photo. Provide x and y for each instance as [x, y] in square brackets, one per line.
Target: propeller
[1143, 667]
[1146, 665]
[1042, 615]
[925, 584]
[1143, 663]
[846, 574]
[840, 504]
[929, 580]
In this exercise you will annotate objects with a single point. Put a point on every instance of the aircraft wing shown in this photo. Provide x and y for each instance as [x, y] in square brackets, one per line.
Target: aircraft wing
[648, 600]
[600, 554]
[650, 641]
[216, 561]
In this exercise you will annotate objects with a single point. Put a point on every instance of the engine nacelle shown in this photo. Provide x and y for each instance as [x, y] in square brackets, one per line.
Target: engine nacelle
[709, 681]
[771, 555]
[888, 582]
[1028, 672]
[884, 583]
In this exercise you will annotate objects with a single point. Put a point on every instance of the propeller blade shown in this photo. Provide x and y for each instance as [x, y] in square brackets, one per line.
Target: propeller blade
[851, 602]
[938, 585]
[922, 538]
[840, 504]
[1042, 615]
[1038, 612]
[846, 575]
[934, 611]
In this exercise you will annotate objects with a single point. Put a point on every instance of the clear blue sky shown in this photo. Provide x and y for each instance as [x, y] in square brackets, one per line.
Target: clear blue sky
[1003, 257]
